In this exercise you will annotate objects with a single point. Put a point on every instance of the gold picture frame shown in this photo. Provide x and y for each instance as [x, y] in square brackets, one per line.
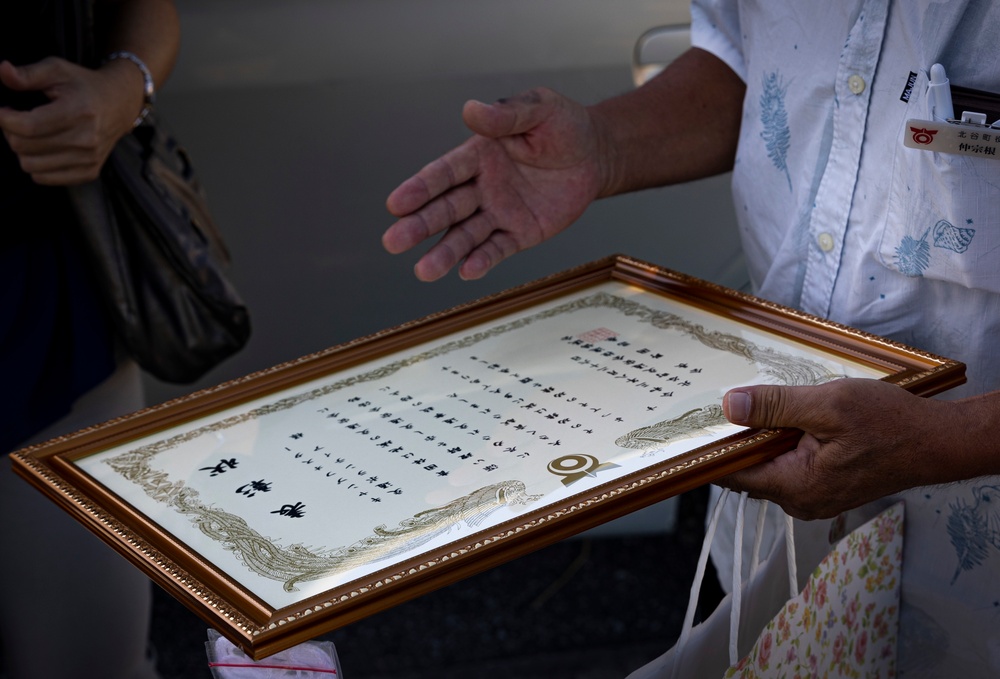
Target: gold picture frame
[296, 500]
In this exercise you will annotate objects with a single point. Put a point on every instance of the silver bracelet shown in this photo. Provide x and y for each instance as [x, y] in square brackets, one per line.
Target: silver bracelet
[148, 89]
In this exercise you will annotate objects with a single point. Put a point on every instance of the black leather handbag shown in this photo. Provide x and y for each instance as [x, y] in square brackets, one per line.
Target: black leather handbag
[156, 253]
[159, 259]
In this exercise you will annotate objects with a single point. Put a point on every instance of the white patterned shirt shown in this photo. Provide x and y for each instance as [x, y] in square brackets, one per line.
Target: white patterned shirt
[841, 220]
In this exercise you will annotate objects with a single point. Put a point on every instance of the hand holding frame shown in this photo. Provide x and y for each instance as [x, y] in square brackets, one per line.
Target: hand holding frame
[862, 439]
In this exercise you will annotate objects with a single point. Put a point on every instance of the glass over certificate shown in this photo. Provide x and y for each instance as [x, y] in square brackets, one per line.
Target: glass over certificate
[297, 500]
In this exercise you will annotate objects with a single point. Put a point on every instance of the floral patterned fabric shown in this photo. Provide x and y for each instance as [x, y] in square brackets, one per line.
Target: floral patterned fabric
[844, 622]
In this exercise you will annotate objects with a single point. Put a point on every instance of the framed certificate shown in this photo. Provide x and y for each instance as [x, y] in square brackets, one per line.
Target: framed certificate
[298, 499]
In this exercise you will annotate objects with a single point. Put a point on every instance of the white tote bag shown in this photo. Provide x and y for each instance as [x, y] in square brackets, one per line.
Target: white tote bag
[842, 621]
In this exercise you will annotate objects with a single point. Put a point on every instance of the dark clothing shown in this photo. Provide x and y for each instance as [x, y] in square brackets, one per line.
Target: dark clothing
[55, 342]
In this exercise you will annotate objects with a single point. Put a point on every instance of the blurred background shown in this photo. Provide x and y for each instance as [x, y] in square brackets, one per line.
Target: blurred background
[301, 116]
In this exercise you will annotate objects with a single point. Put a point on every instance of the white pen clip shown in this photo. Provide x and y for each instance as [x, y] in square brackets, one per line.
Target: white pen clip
[939, 95]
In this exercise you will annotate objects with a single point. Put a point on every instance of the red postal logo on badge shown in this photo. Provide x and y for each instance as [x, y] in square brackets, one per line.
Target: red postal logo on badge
[921, 135]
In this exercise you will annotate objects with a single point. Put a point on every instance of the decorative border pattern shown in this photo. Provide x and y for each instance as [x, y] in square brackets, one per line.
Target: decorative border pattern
[230, 610]
[294, 564]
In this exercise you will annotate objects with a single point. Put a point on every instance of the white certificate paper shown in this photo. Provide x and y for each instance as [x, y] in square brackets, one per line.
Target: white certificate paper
[309, 488]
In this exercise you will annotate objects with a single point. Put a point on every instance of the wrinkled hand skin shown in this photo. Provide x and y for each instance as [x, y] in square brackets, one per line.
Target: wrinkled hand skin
[537, 160]
[862, 439]
[530, 170]
[67, 140]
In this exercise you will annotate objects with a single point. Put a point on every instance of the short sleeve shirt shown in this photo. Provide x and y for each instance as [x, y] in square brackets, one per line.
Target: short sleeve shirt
[837, 217]
[840, 219]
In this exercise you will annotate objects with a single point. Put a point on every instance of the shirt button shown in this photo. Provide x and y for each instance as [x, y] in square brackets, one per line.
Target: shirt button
[856, 84]
[825, 241]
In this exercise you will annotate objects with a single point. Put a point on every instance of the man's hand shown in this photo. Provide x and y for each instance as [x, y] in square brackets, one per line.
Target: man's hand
[67, 140]
[862, 439]
[531, 170]
[539, 159]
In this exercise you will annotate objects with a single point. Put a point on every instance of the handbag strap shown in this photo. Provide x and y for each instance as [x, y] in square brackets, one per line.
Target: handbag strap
[699, 576]
[793, 575]
[755, 559]
[734, 617]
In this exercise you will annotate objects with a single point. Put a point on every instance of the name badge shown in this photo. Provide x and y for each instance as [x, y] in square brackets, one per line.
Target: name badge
[967, 136]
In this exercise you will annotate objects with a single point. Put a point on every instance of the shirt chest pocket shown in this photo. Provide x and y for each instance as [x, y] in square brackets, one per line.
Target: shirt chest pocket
[943, 218]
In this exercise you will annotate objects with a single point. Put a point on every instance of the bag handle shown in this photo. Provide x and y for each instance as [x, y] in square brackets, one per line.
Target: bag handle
[737, 590]
[734, 617]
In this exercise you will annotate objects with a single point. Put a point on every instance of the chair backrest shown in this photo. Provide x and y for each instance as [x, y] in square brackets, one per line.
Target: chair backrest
[656, 48]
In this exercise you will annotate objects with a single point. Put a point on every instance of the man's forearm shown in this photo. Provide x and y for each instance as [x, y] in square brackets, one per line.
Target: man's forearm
[967, 440]
[681, 125]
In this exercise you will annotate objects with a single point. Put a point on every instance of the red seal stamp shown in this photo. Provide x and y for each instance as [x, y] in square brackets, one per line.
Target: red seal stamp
[921, 135]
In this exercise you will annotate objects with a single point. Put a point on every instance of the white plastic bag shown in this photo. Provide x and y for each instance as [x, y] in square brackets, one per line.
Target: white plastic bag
[310, 660]
[854, 588]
